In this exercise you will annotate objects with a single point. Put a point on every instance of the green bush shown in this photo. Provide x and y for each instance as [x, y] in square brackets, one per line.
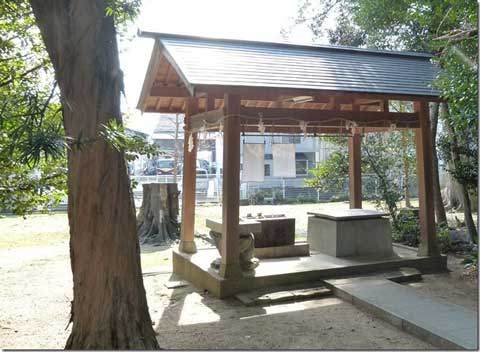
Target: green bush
[369, 188]
[407, 228]
[277, 195]
[444, 240]
[340, 197]
[305, 198]
[471, 260]
[407, 231]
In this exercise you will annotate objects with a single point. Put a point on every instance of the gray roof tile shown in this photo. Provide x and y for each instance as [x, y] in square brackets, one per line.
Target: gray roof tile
[205, 61]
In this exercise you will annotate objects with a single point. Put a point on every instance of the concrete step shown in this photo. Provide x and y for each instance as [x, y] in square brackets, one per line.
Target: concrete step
[283, 294]
[436, 321]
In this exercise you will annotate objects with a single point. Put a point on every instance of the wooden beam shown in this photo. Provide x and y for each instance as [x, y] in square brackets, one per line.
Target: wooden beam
[428, 245]
[230, 266]
[355, 170]
[295, 130]
[212, 117]
[169, 91]
[149, 76]
[313, 114]
[273, 93]
[278, 116]
[209, 103]
[311, 129]
[187, 241]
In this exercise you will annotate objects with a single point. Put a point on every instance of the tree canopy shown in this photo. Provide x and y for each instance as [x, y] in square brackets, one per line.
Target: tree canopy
[33, 163]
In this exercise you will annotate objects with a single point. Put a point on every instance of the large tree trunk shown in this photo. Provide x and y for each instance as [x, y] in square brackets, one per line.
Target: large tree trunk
[157, 221]
[175, 152]
[467, 210]
[451, 194]
[406, 169]
[109, 309]
[437, 194]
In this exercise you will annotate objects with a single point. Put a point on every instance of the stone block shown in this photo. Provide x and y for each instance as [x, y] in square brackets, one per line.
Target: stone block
[275, 232]
[350, 237]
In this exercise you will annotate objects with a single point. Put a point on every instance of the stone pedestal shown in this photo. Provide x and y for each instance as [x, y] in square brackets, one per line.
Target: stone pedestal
[352, 232]
[246, 230]
[275, 232]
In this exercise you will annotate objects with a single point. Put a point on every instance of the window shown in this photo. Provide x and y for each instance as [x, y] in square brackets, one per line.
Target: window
[202, 173]
[302, 167]
[292, 139]
[167, 164]
[266, 170]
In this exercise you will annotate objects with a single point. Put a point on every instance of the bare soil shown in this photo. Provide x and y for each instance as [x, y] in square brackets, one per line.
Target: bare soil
[36, 292]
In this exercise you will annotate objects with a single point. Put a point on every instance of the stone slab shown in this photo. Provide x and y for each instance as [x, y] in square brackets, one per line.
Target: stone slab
[261, 298]
[436, 321]
[347, 214]
[176, 284]
[245, 226]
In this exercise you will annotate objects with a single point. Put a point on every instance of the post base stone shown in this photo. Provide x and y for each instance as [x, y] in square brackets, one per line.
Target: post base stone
[426, 250]
[230, 270]
[187, 247]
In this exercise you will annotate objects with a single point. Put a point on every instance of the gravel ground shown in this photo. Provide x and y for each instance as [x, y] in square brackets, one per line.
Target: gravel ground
[37, 288]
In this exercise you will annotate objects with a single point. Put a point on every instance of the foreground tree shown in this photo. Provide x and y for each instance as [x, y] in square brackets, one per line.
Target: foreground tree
[109, 308]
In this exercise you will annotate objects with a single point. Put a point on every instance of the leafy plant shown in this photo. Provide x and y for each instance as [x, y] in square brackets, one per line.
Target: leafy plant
[330, 174]
[471, 260]
[114, 134]
[406, 229]
[444, 240]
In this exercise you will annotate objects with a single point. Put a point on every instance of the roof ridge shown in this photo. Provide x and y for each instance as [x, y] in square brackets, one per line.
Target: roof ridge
[149, 34]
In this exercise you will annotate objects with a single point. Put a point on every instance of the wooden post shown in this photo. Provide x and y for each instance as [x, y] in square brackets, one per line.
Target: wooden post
[355, 170]
[187, 242]
[230, 266]
[428, 245]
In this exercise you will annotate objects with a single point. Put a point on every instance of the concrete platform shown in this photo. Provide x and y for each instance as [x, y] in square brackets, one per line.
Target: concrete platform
[436, 321]
[282, 271]
[299, 249]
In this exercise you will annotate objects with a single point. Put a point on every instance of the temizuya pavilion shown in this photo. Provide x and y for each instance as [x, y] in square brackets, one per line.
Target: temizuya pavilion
[234, 85]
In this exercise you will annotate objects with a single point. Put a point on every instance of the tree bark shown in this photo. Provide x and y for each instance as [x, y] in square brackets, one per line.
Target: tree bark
[451, 193]
[437, 194]
[467, 209]
[175, 152]
[109, 308]
[157, 221]
[406, 169]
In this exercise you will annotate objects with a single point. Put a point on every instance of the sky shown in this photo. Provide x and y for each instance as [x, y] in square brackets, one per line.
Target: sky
[237, 19]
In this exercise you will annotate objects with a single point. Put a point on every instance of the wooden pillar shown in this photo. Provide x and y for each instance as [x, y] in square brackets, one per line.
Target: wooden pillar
[230, 266]
[187, 242]
[424, 152]
[355, 170]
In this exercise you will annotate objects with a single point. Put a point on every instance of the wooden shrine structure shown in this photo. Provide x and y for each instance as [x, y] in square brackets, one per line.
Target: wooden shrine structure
[239, 86]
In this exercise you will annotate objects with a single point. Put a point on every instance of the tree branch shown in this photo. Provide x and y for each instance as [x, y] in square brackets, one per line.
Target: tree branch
[26, 73]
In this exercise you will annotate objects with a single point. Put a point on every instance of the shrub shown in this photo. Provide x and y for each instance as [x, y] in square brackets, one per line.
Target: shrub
[471, 260]
[444, 240]
[407, 228]
[340, 197]
[305, 198]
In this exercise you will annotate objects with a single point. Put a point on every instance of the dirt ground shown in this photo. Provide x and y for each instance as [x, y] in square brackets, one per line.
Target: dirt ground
[37, 288]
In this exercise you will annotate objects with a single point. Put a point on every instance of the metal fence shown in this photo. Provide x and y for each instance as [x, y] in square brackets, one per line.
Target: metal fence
[272, 190]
